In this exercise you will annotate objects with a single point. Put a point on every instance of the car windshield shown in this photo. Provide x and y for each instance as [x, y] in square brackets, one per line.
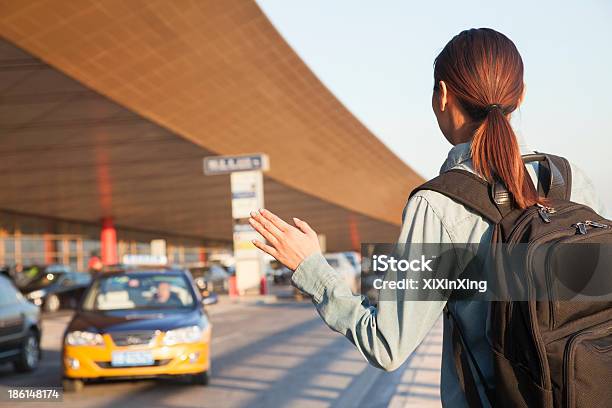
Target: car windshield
[139, 291]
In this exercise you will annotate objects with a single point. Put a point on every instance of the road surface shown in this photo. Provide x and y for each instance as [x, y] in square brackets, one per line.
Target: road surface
[277, 354]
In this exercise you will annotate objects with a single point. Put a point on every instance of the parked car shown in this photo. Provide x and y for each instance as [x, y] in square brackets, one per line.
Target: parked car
[6, 271]
[281, 275]
[343, 266]
[22, 275]
[212, 278]
[135, 324]
[20, 329]
[56, 288]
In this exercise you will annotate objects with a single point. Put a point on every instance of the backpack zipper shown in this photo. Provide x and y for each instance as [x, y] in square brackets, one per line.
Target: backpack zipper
[547, 278]
[596, 224]
[545, 212]
[581, 227]
[567, 353]
[519, 224]
[541, 351]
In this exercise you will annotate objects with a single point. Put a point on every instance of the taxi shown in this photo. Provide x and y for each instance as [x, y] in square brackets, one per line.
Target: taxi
[138, 323]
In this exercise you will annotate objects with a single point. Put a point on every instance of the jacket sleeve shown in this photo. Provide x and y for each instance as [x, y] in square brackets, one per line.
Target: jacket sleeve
[387, 334]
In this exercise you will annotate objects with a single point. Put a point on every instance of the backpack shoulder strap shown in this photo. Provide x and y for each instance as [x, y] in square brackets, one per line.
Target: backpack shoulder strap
[476, 194]
[467, 189]
[492, 202]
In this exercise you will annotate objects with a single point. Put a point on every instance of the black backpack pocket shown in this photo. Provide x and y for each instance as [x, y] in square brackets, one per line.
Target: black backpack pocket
[587, 367]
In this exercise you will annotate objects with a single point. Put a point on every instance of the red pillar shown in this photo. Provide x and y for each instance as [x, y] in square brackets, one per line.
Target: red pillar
[49, 249]
[263, 286]
[233, 287]
[108, 242]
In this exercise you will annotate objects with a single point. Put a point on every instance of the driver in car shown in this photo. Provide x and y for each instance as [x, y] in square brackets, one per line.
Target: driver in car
[165, 296]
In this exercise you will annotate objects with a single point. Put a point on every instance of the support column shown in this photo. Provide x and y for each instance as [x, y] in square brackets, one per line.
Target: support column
[3, 235]
[50, 249]
[247, 196]
[17, 248]
[108, 242]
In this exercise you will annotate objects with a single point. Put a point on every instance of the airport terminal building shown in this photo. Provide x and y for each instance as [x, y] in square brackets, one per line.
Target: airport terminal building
[107, 109]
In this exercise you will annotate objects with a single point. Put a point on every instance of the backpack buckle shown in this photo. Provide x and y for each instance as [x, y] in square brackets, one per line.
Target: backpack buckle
[501, 197]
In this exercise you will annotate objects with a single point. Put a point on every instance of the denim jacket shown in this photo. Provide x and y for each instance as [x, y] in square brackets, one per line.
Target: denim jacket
[387, 334]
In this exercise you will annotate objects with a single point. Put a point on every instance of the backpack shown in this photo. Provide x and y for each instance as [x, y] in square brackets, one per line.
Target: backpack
[551, 353]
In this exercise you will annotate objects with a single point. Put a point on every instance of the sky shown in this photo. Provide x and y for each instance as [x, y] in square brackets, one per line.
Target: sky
[377, 58]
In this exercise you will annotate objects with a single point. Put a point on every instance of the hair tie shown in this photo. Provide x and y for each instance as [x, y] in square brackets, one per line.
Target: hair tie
[489, 108]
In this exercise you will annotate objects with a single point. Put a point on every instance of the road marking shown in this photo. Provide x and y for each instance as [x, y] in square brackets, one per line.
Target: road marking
[358, 388]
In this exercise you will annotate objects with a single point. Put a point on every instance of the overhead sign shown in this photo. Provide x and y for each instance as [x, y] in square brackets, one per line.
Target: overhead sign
[214, 165]
[247, 193]
[244, 235]
[144, 260]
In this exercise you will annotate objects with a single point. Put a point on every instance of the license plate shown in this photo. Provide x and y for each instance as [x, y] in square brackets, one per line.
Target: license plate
[132, 359]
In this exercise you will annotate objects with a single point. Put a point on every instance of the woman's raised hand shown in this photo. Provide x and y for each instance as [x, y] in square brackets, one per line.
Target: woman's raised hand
[288, 244]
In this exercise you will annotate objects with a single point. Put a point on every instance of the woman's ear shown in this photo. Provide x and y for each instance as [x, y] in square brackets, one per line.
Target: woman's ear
[443, 99]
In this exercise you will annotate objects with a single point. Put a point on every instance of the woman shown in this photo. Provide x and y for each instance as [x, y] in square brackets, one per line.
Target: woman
[478, 84]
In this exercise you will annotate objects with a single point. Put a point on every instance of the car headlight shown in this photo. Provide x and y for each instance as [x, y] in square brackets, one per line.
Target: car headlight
[84, 338]
[191, 334]
[37, 294]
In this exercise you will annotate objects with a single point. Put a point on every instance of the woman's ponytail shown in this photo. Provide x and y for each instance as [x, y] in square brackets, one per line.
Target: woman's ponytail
[495, 153]
[483, 69]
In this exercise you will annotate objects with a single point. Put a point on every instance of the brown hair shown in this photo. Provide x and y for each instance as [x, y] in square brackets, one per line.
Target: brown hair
[483, 69]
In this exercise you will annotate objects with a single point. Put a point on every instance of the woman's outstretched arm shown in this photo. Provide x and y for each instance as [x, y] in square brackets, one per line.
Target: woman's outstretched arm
[385, 335]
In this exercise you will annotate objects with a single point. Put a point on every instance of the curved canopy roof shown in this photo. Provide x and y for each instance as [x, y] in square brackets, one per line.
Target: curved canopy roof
[215, 73]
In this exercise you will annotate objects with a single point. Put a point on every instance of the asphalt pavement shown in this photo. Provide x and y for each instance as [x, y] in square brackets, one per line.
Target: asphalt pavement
[265, 353]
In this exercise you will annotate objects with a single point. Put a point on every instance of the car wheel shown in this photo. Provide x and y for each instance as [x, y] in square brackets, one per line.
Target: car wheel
[52, 304]
[72, 384]
[202, 378]
[30, 354]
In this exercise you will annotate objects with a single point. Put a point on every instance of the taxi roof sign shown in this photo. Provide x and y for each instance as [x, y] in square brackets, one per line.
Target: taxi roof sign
[214, 165]
[144, 260]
